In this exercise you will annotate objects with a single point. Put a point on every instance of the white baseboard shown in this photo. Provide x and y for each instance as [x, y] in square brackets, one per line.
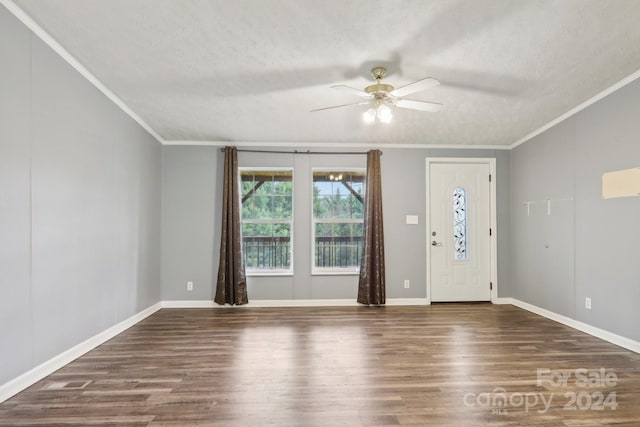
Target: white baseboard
[503, 301]
[261, 303]
[627, 343]
[34, 375]
[408, 301]
[289, 303]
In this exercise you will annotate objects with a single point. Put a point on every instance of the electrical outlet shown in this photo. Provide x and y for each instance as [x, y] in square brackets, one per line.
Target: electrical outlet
[407, 284]
[587, 303]
[189, 286]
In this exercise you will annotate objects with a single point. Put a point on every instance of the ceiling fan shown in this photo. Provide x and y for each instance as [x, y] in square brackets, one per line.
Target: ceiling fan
[381, 97]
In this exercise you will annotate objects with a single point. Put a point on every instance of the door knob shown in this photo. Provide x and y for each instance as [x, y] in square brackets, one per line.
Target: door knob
[434, 243]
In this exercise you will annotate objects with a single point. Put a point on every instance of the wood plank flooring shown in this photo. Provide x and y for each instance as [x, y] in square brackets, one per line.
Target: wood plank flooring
[440, 365]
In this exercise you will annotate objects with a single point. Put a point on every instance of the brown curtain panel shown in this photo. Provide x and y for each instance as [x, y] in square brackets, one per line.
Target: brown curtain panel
[232, 284]
[371, 287]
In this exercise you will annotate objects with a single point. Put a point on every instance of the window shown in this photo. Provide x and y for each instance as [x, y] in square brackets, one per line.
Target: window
[338, 214]
[460, 224]
[267, 220]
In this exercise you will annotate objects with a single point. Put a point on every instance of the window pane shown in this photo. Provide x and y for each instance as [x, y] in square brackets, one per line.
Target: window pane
[338, 194]
[256, 207]
[262, 188]
[267, 246]
[280, 206]
[460, 224]
[280, 187]
[246, 185]
[345, 207]
[338, 245]
[321, 206]
[266, 194]
[248, 208]
[358, 186]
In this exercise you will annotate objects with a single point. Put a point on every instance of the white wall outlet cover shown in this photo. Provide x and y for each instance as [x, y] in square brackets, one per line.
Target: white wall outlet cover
[412, 219]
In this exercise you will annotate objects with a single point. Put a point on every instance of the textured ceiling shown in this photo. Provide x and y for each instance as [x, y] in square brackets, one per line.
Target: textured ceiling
[251, 70]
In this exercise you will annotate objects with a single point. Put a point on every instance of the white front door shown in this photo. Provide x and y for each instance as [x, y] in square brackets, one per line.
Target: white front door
[459, 252]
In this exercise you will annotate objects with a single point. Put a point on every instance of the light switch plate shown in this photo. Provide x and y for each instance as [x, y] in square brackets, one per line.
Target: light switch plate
[412, 219]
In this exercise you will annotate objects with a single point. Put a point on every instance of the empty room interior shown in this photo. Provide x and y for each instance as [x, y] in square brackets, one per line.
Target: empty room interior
[302, 213]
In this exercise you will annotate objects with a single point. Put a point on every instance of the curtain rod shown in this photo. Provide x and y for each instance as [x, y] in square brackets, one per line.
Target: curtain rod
[298, 152]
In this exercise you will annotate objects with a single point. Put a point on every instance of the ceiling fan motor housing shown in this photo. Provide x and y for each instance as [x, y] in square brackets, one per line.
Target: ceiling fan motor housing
[379, 88]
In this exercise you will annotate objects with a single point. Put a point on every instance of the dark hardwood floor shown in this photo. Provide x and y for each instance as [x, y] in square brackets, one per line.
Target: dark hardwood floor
[440, 365]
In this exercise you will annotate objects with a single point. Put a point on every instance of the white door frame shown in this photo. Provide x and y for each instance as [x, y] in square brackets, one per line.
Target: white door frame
[493, 256]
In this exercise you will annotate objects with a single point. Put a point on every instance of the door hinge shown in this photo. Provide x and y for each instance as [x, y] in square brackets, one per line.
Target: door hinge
[490, 232]
[489, 177]
[490, 286]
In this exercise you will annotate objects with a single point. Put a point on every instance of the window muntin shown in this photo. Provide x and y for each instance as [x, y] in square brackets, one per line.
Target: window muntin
[267, 212]
[338, 216]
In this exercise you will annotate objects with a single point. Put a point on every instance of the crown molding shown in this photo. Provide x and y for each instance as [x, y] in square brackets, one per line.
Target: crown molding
[330, 145]
[53, 44]
[608, 91]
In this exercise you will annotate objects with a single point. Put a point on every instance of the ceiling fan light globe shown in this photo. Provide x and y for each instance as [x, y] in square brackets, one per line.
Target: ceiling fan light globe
[369, 116]
[384, 114]
[386, 118]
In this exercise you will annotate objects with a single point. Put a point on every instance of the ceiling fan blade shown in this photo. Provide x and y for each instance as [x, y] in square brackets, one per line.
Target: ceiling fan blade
[340, 106]
[419, 105]
[352, 90]
[423, 84]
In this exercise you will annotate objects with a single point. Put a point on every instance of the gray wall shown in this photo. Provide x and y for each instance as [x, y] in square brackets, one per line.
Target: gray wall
[189, 176]
[587, 247]
[191, 184]
[79, 206]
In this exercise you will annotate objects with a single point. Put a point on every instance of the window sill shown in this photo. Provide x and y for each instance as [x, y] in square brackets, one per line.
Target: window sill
[335, 273]
[268, 273]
